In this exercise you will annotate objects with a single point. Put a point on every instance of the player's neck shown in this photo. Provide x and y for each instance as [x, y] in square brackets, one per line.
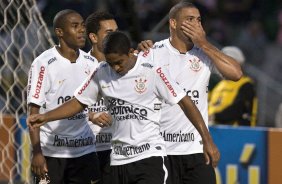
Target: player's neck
[97, 54]
[68, 53]
[180, 45]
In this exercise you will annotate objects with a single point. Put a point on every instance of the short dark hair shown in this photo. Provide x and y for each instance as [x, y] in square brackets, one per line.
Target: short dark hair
[92, 22]
[116, 42]
[60, 18]
[173, 13]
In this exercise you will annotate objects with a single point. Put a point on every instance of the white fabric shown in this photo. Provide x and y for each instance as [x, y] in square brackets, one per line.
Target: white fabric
[52, 81]
[134, 102]
[191, 71]
[103, 135]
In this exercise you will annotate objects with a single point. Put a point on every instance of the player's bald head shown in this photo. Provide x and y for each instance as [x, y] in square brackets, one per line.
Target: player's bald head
[174, 11]
[60, 18]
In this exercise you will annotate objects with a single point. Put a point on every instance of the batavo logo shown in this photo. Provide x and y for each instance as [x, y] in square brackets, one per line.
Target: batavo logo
[87, 83]
[163, 77]
[39, 82]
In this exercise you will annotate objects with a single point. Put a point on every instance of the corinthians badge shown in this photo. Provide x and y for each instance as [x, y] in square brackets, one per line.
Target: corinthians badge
[195, 64]
[140, 85]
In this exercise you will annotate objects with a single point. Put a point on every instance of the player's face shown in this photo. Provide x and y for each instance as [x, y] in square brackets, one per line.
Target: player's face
[189, 14]
[74, 33]
[106, 26]
[121, 63]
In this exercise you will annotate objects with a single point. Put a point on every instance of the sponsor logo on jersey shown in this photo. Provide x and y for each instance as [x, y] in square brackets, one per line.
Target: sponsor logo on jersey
[130, 150]
[72, 142]
[195, 64]
[39, 82]
[157, 106]
[140, 86]
[145, 54]
[105, 86]
[62, 81]
[103, 138]
[52, 60]
[148, 65]
[99, 106]
[163, 77]
[178, 137]
[121, 111]
[194, 95]
[89, 57]
[158, 46]
[87, 83]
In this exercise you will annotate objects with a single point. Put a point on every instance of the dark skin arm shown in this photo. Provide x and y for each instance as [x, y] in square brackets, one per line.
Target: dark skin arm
[66, 110]
[38, 162]
[211, 152]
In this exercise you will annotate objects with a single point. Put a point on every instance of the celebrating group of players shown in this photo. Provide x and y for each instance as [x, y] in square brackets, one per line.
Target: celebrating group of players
[117, 117]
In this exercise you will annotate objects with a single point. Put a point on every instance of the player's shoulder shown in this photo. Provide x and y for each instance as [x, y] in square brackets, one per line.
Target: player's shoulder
[88, 57]
[160, 45]
[46, 58]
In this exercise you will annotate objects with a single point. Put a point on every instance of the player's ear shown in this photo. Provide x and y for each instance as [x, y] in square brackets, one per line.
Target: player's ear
[93, 37]
[59, 32]
[172, 23]
[131, 52]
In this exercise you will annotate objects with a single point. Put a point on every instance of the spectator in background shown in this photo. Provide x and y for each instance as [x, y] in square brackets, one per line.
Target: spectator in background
[234, 103]
[252, 39]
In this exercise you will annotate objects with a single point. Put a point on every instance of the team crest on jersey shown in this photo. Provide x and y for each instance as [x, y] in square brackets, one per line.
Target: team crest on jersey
[140, 84]
[195, 64]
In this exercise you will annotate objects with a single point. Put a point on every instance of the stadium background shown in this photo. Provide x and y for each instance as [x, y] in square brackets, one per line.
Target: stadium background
[253, 25]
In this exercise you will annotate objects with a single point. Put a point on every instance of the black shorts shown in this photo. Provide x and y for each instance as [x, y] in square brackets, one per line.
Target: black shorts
[187, 169]
[104, 160]
[150, 170]
[80, 170]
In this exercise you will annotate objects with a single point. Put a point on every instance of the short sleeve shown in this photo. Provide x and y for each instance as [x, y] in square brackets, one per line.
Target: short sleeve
[166, 87]
[37, 84]
[87, 93]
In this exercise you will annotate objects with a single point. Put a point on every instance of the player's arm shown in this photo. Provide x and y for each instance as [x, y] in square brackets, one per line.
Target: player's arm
[193, 114]
[226, 65]
[66, 110]
[38, 162]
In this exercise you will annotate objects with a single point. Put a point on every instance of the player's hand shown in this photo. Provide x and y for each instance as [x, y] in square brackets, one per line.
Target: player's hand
[38, 164]
[101, 119]
[35, 120]
[145, 45]
[211, 153]
[195, 32]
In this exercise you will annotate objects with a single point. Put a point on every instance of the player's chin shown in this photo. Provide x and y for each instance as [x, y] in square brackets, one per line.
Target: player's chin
[80, 45]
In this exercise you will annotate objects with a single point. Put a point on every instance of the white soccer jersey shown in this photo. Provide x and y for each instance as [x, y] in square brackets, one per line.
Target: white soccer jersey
[134, 101]
[52, 81]
[103, 135]
[192, 72]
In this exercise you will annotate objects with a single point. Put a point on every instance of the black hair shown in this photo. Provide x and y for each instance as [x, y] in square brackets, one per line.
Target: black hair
[116, 42]
[60, 18]
[92, 22]
[173, 13]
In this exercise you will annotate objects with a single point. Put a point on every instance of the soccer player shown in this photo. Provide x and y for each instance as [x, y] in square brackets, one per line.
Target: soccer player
[63, 149]
[133, 89]
[98, 25]
[190, 59]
